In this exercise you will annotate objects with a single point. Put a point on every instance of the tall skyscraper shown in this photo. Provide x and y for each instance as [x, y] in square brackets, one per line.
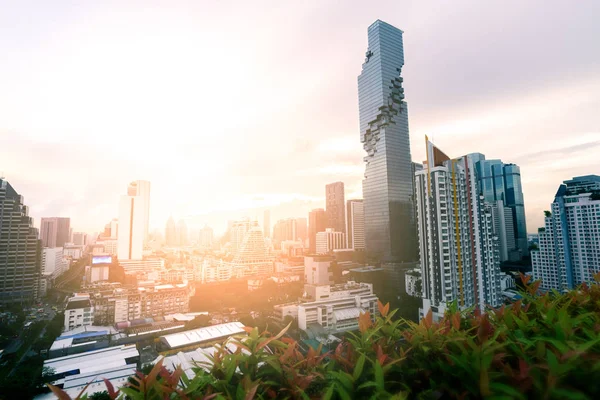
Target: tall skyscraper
[171, 232]
[253, 254]
[284, 229]
[131, 228]
[355, 221]
[500, 181]
[302, 229]
[335, 206]
[142, 189]
[20, 249]
[238, 231]
[459, 252]
[55, 231]
[390, 232]
[267, 223]
[569, 251]
[317, 222]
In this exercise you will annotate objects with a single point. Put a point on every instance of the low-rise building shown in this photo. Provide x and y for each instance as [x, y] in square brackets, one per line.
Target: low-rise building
[201, 337]
[79, 311]
[330, 240]
[88, 370]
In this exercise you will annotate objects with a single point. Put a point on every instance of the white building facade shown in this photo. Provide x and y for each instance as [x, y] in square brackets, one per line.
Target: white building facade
[459, 252]
[355, 221]
[330, 240]
[569, 243]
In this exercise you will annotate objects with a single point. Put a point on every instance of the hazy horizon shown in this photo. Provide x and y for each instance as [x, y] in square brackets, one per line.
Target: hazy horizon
[230, 108]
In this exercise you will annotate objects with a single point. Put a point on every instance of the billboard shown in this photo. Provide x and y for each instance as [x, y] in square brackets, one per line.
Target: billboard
[101, 260]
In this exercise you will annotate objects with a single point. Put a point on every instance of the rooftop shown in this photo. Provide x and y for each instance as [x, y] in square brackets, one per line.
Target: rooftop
[74, 304]
[200, 335]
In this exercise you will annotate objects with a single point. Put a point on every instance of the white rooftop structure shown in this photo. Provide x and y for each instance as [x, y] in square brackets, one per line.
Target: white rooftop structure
[200, 335]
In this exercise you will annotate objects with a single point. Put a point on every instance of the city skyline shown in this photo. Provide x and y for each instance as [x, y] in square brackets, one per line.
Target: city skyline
[527, 109]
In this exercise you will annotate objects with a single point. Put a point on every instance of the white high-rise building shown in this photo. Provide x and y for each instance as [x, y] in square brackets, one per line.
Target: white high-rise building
[238, 231]
[142, 189]
[132, 212]
[355, 221]
[330, 240]
[569, 244]
[253, 256]
[502, 219]
[459, 252]
[206, 237]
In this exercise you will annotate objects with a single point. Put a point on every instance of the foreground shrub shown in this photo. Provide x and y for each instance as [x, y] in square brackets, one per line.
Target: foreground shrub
[542, 347]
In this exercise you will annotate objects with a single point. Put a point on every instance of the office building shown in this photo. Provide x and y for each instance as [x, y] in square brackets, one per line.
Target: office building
[52, 266]
[317, 269]
[237, 232]
[80, 239]
[502, 219]
[459, 252]
[284, 230]
[79, 311]
[413, 282]
[388, 182]
[20, 258]
[335, 206]
[500, 181]
[55, 231]
[569, 243]
[330, 240]
[317, 222]
[73, 252]
[302, 229]
[267, 223]
[131, 228]
[355, 221]
[253, 256]
[335, 308]
[142, 189]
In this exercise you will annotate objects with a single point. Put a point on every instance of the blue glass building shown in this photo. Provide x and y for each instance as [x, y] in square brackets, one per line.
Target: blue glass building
[500, 181]
[390, 233]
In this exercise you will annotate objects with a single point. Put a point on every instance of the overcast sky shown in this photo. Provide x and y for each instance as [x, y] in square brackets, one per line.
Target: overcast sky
[230, 107]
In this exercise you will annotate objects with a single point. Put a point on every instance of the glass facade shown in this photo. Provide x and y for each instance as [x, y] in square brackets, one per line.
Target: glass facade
[499, 181]
[390, 233]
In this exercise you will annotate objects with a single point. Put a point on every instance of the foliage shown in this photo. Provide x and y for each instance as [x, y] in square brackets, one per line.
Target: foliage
[543, 346]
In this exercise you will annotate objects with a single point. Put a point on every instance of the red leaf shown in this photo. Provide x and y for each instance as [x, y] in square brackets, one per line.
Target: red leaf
[427, 321]
[111, 389]
[456, 321]
[364, 322]
[383, 310]
[59, 392]
[485, 329]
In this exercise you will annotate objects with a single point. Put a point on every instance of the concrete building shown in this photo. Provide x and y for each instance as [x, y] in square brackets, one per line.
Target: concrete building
[355, 224]
[132, 216]
[459, 252]
[335, 206]
[55, 231]
[569, 243]
[330, 240]
[237, 232]
[80, 238]
[52, 266]
[317, 269]
[502, 222]
[390, 233]
[302, 229]
[336, 308]
[317, 222]
[79, 311]
[73, 252]
[181, 234]
[253, 256]
[201, 337]
[20, 258]
[284, 230]
[141, 189]
[113, 303]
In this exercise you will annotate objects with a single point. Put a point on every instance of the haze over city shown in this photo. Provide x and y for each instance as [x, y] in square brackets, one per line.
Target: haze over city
[229, 109]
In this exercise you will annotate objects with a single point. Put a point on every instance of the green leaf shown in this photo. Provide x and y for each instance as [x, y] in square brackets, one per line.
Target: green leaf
[358, 368]
[501, 388]
[329, 393]
[378, 375]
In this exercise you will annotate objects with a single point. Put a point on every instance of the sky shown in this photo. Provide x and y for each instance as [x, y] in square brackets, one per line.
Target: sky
[232, 107]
